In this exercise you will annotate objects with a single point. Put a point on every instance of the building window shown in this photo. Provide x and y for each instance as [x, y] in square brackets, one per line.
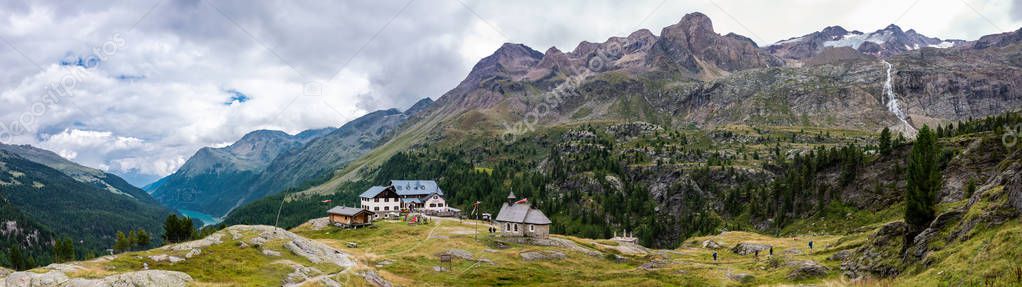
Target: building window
[385, 208]
[507, 227]
[376, 208]
[376, 200]
[532, 228]
[516, 227]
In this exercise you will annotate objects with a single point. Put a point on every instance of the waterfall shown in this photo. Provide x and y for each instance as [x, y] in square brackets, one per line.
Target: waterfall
[892, 100]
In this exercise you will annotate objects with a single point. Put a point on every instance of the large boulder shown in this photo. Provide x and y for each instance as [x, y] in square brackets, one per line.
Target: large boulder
[541, 255]
[710, 244]
[458, 253]
[750, 248]
[806, 269]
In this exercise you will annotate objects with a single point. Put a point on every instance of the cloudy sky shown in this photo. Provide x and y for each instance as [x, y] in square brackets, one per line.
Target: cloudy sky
[135, 87]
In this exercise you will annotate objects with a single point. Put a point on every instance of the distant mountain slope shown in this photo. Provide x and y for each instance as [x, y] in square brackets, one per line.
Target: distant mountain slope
[321, 157]
[212, 179]
[84, 174]
[215, 180]
[66, 206]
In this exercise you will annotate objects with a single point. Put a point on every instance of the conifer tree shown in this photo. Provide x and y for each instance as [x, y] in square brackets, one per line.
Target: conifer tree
[885, 141]
[923, 183]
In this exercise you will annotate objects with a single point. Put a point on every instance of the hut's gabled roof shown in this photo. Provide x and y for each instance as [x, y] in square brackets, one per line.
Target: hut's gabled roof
[348, 211]
[521, 213]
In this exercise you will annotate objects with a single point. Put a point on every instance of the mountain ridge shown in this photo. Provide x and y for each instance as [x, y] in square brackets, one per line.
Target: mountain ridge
[215, 180]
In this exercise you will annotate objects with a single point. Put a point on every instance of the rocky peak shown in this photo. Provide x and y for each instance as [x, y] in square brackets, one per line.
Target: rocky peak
[894, 29]
[696, 23]
[511, 51]
[692, 45]
[510, 61]
[833, 31]
[419, 106]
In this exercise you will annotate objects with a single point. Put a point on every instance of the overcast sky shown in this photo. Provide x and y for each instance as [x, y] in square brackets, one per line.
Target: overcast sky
[136, 87]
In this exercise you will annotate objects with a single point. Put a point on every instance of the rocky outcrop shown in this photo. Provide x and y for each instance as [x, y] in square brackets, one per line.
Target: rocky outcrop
[921, 243]
[710, 244]
[750, 248]
[156, 278]
[995, 203]
[542, 255]
[300, 275]
[881, 254]
[372, 278]
[806, 269]
[458, 253]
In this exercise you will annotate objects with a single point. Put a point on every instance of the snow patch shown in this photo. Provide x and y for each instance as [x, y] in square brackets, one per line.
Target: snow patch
[943, 45]
[855, 40]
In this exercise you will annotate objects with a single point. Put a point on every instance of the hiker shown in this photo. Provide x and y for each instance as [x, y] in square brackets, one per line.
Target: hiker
[771, 251]
[757, 255]
[715, 256]
[810, 246]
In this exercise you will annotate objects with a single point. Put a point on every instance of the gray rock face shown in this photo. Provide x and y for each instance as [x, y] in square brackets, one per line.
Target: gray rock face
[268, 252]
[193, 253]
[807, 269]
[312, 250]
[710, 244]
[372, 278]
[458, 253]
[749, 248]
[1001, 204]
[542, 255]
[156, 278]
[300, 275]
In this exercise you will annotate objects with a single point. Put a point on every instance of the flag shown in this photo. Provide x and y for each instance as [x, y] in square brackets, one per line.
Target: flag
[523, 200]
[327, 201]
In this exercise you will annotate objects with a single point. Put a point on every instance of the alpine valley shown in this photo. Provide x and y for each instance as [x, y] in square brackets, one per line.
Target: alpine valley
[895, 152]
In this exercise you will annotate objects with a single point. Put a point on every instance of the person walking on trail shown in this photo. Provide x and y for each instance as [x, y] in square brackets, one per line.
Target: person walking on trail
[771, 251]
[715, 256]
[810, 246]
[757, 254]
